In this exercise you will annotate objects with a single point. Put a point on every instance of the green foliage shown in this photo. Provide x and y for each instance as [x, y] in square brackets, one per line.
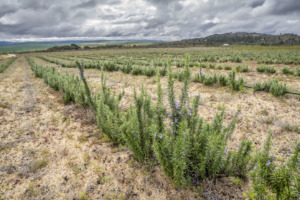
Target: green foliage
[137, 71]
[227, 67]
[88, 96]
[137, 128]
[108, 115]
[127, 68]
[72, 87]
[7, 64]
[266, 69]
[273, 180]
[150, 71]
[241, 68]
[191, 149]
[234, 84]
[297, 73]
[273, 86]
[286, 70]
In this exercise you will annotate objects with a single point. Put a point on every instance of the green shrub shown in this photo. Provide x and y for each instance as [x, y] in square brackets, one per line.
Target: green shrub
[127, 68]
[108, 115]
[266, 69]
[227, 67]
[271, 180]
[287, 71]
[149, 71]
[137, 71]
[297, 73]
[191, 149]
[273, 86]
[7, 64]
[138, 125]
[244, 69]
[233, 83]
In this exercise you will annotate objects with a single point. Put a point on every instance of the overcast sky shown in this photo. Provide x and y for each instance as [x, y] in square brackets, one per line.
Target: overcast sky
[144, 19]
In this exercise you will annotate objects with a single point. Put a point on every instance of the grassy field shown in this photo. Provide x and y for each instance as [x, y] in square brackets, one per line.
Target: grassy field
[52, 148]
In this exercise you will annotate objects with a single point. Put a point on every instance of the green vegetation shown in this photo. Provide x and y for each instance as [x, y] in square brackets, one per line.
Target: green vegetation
[266, 69]
[7, 64]
[188, 148]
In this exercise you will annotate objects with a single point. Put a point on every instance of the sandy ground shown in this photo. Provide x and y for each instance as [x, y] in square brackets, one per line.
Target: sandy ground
[49, 150]
[7, 55]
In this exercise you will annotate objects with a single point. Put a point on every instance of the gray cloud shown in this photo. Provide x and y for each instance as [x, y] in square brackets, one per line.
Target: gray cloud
[144, 19]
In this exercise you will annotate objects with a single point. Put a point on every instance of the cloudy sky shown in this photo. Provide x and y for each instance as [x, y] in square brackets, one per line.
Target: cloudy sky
[144, 19]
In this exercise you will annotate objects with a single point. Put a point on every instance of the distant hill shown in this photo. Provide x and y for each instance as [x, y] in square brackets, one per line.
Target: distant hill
[240, 38]
[17, 47]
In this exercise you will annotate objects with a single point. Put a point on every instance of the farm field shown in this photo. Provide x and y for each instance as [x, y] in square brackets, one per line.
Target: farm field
[53, 148]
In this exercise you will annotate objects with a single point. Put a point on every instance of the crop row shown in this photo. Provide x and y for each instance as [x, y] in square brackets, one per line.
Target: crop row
[276, 88]
[216, 55]
[7, 64]
[188, 148]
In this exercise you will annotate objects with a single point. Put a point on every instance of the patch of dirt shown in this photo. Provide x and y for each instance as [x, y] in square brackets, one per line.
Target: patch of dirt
[7, 55]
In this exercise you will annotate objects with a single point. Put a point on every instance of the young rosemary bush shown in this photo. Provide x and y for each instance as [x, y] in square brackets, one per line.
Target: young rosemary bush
[137, 71]
[227, 67]
[297, 73]
[273, 86]
[286, 70]
[191, 149]
[110, 66]
[266, 69]
[271, 180]
[240, 68]
[149, 71]
[7, 64]
[137, 128]
[126, 68]
[108, 114]
[234, 84]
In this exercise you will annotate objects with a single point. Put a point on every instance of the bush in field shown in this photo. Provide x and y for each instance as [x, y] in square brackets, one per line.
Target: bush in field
[297, 73]
[219, 67]
[126, 68]
[222, 80]
[191, 149]
[273, 86]
[137, 71]
[212, 65]
[108, 115]
[110, 66]
[240, 68]
[163, 71]
[286, 70]
[210, 80]
[233, 83]
[149, 71]
[271, 180]
[204, 65]
[266, 69]
[138, 125]
[227, 67]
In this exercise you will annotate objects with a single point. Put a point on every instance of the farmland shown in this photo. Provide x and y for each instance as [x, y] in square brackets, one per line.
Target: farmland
[193, 123]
